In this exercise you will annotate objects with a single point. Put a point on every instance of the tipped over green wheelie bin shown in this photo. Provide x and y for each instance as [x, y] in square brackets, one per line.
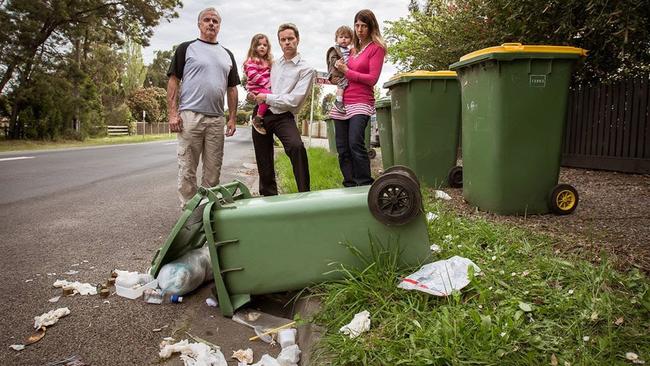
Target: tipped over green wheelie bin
[425, 106]
[384, 123]
[287, 242]
[331, 138]
[514, 110]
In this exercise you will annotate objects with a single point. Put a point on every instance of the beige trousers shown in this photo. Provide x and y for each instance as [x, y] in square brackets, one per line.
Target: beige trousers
[202, 137]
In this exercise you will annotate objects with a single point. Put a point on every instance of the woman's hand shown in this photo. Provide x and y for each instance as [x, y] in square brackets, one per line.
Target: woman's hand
[341, 66]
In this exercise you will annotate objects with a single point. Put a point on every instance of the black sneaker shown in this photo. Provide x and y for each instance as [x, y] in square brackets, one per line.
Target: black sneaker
[258, 126]
[339, 106]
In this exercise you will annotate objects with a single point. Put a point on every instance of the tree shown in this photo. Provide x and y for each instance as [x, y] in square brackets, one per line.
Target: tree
[153, 101]
[157, 71]
[135, 71]
[616, 33]
[326, 104]
[305, 112]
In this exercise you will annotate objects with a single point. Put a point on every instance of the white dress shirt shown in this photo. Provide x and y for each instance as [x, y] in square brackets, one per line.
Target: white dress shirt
[291, 80]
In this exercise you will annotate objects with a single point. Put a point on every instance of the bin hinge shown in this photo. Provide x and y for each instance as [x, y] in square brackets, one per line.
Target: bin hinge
[225, 242]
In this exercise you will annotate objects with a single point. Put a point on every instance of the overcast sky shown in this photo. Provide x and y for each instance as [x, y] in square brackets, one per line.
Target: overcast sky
[241, 19]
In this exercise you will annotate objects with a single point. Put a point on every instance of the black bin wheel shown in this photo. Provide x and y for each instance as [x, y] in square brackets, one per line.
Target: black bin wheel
[563, 199]
[372, 153]
[405, 169]
[395, 199]
[455, 177]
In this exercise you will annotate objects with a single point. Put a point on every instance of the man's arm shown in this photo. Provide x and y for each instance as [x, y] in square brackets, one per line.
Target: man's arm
[295, 97]
[175, 121]
[233, 98]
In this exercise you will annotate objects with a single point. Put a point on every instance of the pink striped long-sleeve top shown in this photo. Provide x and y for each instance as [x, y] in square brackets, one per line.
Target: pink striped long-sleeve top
[258, 74]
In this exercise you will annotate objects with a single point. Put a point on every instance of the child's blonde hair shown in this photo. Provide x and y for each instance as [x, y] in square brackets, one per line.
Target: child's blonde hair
[343, 30]
[255, 41]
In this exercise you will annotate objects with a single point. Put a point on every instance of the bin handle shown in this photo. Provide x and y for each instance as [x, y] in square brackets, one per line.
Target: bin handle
[225, 305]
[512, 46]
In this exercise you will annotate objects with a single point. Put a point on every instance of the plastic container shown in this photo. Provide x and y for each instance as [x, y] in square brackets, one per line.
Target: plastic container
[134, 292]
[287, 337]
[514, 100]
[425, 109]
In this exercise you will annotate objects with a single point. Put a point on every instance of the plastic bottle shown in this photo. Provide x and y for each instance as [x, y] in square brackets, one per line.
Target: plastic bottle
[156, 296]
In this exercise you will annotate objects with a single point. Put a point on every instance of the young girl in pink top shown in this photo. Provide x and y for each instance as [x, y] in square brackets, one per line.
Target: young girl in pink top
[258, 73]
[362, 71]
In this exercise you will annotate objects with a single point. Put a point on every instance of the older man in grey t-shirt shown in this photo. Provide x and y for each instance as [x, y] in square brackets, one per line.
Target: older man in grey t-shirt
[208, 72]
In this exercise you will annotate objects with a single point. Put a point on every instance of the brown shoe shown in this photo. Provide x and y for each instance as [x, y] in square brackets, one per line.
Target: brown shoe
[258, 126]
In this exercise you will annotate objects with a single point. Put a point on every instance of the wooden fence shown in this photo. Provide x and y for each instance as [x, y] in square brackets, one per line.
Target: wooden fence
[152, 128]
[608, 127]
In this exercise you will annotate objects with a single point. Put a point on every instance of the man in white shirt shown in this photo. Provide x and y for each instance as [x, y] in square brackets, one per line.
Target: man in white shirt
[291, 80]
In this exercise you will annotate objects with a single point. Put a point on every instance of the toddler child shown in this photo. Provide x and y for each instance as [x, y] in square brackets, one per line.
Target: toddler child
[341, 50]
[258, 73]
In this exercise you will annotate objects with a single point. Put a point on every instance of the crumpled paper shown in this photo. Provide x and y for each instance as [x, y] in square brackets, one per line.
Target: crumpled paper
[289, 356]
[79, 288]
[245, 356]
[359, 324]
[442, 195]
[50, 318]
[440, 278]
[194, 354]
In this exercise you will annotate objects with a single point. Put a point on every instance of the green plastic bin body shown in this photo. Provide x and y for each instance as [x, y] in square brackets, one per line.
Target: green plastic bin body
[331, 136]
[286, 242]
[514, 112]
[384, 123]
[425, 108]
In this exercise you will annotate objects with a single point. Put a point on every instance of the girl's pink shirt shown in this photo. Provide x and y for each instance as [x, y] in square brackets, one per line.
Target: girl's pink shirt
[363, 73]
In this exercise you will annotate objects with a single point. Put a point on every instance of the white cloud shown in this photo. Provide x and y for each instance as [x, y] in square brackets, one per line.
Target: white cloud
[316, 20]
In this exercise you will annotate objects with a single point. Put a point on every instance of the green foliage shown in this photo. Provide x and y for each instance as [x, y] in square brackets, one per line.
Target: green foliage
[305, 112]
[327, 103]
[527, 306]
[243, 116]
[135, 71]
[323, 170]
[157, 71]
[151, 100]
[616, 33]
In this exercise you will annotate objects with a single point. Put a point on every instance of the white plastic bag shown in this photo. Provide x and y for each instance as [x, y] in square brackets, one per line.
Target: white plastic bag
[359, 324]
[186, 273]
[440, 278]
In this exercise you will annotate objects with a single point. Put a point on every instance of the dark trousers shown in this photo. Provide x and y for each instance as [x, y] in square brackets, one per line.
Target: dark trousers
[284, 127]
[352, 150]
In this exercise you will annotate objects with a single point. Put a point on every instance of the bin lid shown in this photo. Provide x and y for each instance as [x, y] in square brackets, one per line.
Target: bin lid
[382, 102]
[512, 51]
[419, 75]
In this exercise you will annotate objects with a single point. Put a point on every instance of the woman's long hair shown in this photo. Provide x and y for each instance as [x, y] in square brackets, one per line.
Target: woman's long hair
[368, 17]
[255, 41]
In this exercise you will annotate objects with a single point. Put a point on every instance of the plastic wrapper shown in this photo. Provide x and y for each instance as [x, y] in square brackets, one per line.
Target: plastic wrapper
[186, 273]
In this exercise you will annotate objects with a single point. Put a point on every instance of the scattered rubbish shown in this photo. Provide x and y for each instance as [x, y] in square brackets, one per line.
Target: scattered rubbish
[261, 323]
[435, 248]
[77, 287]
[186, 273]
[287, 337]
[442, 195]
[619, 321]
[243, 356]
[104, 293]
[74, 265]
[17, 347]
[570, 292]
[50, 318]
[152, 296]
[51, 274]
[431, 216]
[72, 272]
[194, 354]
[359, 324]
[70, 361]
[106, 302]
[40, 333]
[160, 329]
[29, 280]
[85, 261]
[110, 281]
[586, 338]
[289, 356]
[440, 278]
[54, 299]
[631, 356]
[132, 284]
[176, 299]
[261, 334]
[211, 302]
[267, 360]
[553, 360]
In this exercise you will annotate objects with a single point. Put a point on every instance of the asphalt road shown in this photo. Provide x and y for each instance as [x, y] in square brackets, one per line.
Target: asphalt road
[92, 210]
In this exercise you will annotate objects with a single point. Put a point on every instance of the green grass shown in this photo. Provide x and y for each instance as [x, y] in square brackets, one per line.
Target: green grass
[21, 145]
[489, 322]
[323, 170]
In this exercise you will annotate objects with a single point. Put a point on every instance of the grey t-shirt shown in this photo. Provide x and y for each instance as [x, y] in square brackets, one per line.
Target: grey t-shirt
[206, 70]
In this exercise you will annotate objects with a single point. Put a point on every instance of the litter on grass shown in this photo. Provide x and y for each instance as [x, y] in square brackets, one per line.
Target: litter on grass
[442, 195]
[359, 324]
[289, 356]
[435, 248]
[78, 287]
[211, 302]
[194, 354]
[440, 278]
[431, 216]
[50, 318]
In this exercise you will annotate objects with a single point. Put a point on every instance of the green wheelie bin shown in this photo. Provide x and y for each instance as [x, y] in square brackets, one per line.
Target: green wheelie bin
[425, 106]
[514, 111]
[331, 139]
[270, 244]
[384, 122]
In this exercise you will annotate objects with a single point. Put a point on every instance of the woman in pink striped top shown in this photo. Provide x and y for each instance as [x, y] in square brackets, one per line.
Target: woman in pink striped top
[362, 71]
[258, 74]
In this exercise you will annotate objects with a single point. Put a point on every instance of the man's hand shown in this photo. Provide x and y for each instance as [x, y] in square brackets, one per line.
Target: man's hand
[175, 123]
[260, 98]
[231, 127]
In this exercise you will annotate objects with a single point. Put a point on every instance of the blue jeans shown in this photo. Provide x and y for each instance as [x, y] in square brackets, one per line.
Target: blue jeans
[352, 150]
